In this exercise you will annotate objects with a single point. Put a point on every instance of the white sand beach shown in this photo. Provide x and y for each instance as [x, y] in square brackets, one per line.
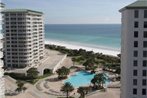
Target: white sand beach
[75, 46]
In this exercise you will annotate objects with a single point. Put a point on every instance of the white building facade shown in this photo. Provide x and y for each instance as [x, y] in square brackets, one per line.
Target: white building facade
[2, 87]
[24, 37]
[134, 50]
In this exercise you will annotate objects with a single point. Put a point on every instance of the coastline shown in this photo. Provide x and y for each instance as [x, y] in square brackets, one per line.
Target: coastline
[105, 51]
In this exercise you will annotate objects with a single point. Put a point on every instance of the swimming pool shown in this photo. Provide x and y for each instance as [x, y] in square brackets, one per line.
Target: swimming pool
[81, 78]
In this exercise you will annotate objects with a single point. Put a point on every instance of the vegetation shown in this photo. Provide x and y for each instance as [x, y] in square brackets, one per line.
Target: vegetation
[89, 65]
[67, 88]
[31, 77]
[83, 91]
[115, 68]
[47, 71]
[89, 59]
[20, 86]
[98, 80]
[84, 55]
[65, 97]
[63, 72]
[32, 73]
[17, 76]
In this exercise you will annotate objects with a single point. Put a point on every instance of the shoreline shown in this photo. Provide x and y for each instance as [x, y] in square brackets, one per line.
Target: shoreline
[105, 51]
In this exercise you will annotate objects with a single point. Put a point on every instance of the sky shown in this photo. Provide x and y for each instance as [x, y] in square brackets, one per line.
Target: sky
[74, 11]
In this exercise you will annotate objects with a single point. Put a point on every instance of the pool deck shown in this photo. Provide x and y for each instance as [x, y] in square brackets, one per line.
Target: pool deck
[52, 86]
[110, 93]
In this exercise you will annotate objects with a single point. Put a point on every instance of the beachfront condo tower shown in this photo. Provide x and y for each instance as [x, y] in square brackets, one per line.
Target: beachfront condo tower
[2, 88]
[23, 38]
[134, 50]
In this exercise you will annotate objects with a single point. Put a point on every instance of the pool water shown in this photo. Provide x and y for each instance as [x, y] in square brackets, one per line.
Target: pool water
[81, 78]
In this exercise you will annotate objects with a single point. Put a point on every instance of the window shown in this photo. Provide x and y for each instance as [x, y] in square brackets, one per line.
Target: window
[144, 82]
[145, 24]
[145, 34]
[145, 13]
[134, 81]
[144, 63]
[135, 63]
[135, 43]
[144, 73]
[145, 44]
[136, 24]
[135, 91]
[144, 53]
[135, 34]
[143, 91]
[135, 72]
[136, 13]
[135, 53]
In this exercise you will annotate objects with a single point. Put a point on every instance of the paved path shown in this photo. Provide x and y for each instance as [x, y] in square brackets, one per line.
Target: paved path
[10, 83]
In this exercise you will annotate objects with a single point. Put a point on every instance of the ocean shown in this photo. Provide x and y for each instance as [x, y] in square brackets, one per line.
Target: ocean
[91, 35]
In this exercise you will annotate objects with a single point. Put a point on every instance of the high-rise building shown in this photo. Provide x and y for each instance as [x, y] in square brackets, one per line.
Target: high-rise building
[134, 50]
[2, 87]
[23, 37]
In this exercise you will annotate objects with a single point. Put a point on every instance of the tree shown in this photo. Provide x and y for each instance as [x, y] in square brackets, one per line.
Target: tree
[101, 77]
[99, 80]
[93, 68]
[20, 86]
[67, 88]
[63, 72]
[88, 64]
[32, 73]
[83, 91]
[73, 60]
[95, 82]
[118, 70]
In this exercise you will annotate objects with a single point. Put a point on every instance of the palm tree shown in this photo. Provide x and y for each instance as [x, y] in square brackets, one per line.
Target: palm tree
[67, 87]
[81, 92]
[20, 86]
[94, 82]
[98, 80]
[101, 78]
[63, 72]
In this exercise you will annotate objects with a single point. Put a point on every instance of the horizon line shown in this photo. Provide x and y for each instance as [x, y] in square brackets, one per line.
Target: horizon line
[83, 24]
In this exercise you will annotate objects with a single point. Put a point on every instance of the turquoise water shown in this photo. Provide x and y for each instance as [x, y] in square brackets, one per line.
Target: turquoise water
[81, 78]
[93, 35]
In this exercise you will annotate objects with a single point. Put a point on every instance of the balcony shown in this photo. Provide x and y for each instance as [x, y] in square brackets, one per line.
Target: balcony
[1, 72]
[1, 54]
[1, 63]
[1, 44]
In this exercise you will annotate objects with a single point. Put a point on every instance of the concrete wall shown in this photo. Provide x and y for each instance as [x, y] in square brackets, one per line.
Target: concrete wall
[127, 57]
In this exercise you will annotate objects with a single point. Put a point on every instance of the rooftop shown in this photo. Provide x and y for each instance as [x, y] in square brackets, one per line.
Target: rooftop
[20, 10]
[138, 5]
